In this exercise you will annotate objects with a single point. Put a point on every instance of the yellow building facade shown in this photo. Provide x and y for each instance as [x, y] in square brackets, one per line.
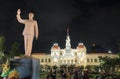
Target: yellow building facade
[91, 59]
[77, 56]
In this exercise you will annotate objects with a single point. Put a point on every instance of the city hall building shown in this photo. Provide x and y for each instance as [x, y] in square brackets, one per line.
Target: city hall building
[69, 56]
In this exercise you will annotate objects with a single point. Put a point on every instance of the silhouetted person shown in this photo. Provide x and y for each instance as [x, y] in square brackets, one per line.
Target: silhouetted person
[54, 74]
[86, 74]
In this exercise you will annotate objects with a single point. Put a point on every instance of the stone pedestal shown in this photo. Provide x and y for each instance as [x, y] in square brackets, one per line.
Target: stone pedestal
[35, 68]
[28, 68]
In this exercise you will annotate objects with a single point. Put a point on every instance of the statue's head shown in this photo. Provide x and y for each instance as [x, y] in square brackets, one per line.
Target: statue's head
[31, 15]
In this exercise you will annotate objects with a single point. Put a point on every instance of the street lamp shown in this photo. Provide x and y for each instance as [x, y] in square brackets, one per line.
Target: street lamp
[110, 52]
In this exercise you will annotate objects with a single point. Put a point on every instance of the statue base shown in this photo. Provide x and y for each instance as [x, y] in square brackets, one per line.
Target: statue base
[28, 67]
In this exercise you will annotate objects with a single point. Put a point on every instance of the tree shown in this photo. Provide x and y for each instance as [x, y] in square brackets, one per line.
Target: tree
[41, 67]
[89, 67]
[15, 49]
[109, 65]
[2, 43]
[2, 48]
[71, 67]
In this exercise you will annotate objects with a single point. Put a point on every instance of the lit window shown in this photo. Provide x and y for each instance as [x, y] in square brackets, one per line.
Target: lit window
[75, 53]
[72, 61]
[76, 61]
[64, 61]
[88, 60]
[91, 60]
[49, 60]
[95, 60]
[45, 60]
[68, 61]
[61, 53]
[60, 61]
[42, 60]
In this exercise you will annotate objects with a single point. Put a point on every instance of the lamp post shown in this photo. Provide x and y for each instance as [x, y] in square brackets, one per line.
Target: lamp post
[110, 52]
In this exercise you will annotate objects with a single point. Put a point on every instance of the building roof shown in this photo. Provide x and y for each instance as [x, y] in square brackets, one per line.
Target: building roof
[80, 46]
[105, 53]
[55, 47]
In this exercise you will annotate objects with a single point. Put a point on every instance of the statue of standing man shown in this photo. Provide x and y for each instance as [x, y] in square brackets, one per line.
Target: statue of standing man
[30, 31]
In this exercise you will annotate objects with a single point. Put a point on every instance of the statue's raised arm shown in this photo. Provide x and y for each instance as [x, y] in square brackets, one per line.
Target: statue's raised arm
[20, 20]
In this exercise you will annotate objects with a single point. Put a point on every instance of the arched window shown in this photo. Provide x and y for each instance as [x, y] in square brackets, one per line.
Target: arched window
[64, 61]
[60, 61]
[75, 61]
[75, 53]
[68, 61]
[45, 60]
[42, 60]
[49, 60]
[72, 61]
[88, 60]
[95, 60]
[91, 60]
[60, 53]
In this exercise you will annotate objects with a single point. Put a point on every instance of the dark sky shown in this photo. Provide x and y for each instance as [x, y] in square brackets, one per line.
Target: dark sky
[89, 21]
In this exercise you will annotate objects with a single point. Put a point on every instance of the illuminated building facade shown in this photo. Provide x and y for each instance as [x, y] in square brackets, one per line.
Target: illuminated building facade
[69, 56]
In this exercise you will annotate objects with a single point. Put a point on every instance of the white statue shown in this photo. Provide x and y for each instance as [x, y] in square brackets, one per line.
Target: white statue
[30, 31]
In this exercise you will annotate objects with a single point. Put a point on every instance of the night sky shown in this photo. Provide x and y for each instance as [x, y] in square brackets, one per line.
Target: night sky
[89, 21]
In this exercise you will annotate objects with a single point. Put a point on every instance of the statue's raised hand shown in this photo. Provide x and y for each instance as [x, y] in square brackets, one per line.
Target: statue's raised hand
[18, 11]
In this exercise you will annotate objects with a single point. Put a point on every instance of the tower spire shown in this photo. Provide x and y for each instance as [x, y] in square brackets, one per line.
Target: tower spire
[68, 44]
[67, 31]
